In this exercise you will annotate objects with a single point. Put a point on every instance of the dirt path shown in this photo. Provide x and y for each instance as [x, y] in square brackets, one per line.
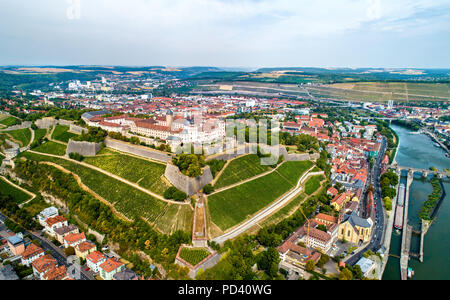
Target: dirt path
[87, 189]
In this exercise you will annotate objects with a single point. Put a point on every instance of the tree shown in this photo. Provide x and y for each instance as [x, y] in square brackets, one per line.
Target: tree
[345, 274]
[310, 265]
[208, 189]
[69, 251]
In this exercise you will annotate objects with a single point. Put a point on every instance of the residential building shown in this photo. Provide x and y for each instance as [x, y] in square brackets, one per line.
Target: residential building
[72, 240]
[85, 248]
[42, 265]
[62, 232]
[56, 273]
[54, 222]
[47, 213]
[16, 245]
[31, 253]
[94, 260]
[126, 274]
[110, 267]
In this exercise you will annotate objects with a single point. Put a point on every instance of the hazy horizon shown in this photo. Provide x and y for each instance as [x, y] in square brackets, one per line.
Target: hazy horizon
[246, 34]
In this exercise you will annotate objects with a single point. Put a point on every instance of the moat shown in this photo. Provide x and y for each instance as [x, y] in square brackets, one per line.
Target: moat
[419, 151]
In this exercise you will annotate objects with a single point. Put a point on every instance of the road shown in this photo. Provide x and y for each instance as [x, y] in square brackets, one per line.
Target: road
[379, 227]
[56, 252]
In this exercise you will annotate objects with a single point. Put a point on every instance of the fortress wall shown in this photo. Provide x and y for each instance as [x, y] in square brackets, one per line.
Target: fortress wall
[83, 148]
[187, 184]
[77, 129]
[138, 150]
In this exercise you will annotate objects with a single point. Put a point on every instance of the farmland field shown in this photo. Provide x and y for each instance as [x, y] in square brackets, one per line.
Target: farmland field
[241, 169]
[39, 133]
[62, 134]
[313, 184]
[17, 195]
[51, 148]
[384, 91]
[143, 172]
[23, 136]
[130, 201]
[10, 121]
[194, 255]
[286, 211]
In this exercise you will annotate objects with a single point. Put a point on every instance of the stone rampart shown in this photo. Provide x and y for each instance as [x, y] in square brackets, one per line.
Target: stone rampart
[83, 148]
[185, 183]
[138, 150]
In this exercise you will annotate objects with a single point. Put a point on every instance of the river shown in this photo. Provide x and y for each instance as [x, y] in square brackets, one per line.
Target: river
[419, 151]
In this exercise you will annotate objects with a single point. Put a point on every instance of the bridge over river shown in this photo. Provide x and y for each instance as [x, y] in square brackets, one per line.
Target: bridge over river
[424, 172]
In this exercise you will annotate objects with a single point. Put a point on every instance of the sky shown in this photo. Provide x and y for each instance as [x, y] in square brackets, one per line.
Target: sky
[226, 33]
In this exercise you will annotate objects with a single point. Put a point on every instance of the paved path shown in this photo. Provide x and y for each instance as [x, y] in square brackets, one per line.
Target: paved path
[269, 210]
[113, 176]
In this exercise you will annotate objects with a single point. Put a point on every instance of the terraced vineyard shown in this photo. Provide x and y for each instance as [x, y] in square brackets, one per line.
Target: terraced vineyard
[143, 172]
[39, 133]
[51, 148]
[62, 134]
[9, 121]
[126, 199]
[17, 195]
[23, 136]
[241, 169]
[230, 207]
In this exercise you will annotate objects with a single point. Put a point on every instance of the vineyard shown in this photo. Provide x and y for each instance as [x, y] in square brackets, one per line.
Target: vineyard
[62, 134]
[8, 190]
[241, 169]
[194, 255]
[23, 136]
[129, 201]
[146, 173]
[51, 148]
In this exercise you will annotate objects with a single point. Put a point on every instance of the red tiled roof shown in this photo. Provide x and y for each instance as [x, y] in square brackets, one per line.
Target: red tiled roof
[96, 257]
[44, 263]
[110, 265]
[74, 237]
[55, 220]
[32, 250]
[85, 246]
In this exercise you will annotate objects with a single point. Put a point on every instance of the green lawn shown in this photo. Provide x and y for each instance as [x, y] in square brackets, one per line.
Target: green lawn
[62, 134]
[21, 135]
[241, 169]
[17, 195]
[313, 184]
[10, 121]
[146, 173]
[51, 148]
[130, 201]
[194, 255]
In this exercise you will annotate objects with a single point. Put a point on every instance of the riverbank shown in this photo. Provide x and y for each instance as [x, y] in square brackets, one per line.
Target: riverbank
[415, 150]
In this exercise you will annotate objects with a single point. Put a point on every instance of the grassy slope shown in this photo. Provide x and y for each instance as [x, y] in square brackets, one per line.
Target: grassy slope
[51, 148]
[61, 134]
[313, 184]
[241, 169]
[17, 195]
[21, 135]
[39, 133]
[9, 121]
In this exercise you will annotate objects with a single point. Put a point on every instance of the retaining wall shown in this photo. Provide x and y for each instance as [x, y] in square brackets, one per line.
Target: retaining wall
[77, 129]
[138, 150]
[185, 183]
[83, 148]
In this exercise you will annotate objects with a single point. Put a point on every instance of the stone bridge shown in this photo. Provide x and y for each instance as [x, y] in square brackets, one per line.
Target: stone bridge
[424, 172]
